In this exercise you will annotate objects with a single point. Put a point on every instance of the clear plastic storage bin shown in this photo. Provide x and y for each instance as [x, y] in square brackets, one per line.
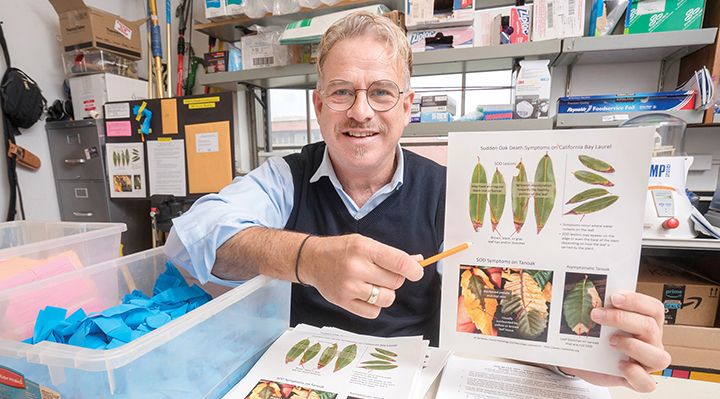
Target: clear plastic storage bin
[83, 62]
[201, 354]
[32, 250]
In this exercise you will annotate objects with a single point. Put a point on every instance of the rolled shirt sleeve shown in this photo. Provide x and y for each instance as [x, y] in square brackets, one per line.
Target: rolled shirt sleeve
[264, 197]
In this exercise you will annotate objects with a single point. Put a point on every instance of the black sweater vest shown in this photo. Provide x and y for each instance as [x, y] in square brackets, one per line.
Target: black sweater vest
[412, 219]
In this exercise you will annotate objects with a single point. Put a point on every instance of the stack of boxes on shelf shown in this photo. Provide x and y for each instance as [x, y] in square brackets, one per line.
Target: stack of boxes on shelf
[691, 312]
[100, 53]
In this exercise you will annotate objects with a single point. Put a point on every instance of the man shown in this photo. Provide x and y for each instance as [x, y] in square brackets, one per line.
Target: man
[291, 217]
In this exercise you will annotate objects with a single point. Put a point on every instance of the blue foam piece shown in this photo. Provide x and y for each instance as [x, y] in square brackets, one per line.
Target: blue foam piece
[118, 325]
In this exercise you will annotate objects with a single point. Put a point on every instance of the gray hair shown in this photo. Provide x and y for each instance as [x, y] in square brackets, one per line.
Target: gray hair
[362, 23]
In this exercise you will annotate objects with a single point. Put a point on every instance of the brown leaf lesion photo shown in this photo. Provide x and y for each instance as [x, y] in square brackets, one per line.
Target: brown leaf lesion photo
[506, 302]
[583, 293]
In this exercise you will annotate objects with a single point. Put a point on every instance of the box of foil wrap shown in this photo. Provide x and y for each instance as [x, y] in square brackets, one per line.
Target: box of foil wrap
[637, 102]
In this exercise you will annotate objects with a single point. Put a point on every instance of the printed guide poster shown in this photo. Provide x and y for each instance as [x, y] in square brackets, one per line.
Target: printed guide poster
[483, 379]
[556, 220]
[166, 167]
[126, 169]
[328, 363]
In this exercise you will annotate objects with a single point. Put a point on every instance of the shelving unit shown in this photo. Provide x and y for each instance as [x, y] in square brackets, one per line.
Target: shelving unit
[443, 128]
[614, 119]
[230, 28]
[300, 76]
[705, 244]
[619, 49]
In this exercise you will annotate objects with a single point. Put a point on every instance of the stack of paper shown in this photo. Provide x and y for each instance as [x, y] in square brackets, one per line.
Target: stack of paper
[702, 83]
[329, 363]
[481, 379]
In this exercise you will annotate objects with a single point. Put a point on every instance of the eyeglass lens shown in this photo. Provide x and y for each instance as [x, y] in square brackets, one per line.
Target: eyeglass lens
[381, 95]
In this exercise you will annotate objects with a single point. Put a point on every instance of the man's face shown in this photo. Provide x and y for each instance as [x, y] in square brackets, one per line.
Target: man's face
[361, 138]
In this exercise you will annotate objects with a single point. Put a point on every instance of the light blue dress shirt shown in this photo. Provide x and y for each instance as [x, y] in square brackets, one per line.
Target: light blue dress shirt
[264, 197]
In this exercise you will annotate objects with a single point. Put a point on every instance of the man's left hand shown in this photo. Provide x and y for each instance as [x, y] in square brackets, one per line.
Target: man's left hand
[640, 319]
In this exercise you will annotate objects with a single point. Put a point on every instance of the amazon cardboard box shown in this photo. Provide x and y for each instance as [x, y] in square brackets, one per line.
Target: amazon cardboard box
[85, 27]
[688, 299]
[695, 352]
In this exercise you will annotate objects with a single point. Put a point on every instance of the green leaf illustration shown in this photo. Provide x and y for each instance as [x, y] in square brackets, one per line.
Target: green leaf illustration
[375, 362]
[596, 164]
[296, 350]
[382, 357]
[588, 194]
[526, 303]
[347, 355]
[327, 356]
[520, 197]
[545, 187]
[478, 196]
[579, 301]
[594, 205]
[388, 367]
[592, 178]
[386, 352]
[497, 198]
[310, 353]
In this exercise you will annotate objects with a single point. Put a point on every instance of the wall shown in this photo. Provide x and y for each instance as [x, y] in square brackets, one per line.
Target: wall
[32, 32]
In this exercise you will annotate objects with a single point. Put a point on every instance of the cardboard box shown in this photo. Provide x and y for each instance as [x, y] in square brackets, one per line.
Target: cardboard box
[398, 18]
[513, 28]
[441, 38]
[91, 92]
[688, 299]
[415, 110]
[216, 61]
[484, 27]
[215, 8]
[636, 102]
[435, 117]
[558, 19]
[232, 7]
[84, 27]
[695, 352]
[664, 15]
[439, 103]
[426, 13]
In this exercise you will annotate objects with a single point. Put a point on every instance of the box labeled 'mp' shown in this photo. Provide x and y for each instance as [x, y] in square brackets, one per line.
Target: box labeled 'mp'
[85, 27]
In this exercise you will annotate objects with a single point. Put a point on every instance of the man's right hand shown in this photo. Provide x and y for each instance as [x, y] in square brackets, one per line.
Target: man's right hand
[345, 268]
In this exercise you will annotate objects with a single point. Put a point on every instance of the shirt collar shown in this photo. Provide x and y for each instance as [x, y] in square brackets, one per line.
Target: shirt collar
[326, 169]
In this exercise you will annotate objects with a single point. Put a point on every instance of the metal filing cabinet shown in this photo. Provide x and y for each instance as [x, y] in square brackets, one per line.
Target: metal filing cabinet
[77, 152]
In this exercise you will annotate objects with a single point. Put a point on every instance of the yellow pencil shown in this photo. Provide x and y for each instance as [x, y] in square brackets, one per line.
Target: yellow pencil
[445, 254]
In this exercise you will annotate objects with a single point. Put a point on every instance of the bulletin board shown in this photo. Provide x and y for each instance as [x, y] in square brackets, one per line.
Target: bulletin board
[181, 146]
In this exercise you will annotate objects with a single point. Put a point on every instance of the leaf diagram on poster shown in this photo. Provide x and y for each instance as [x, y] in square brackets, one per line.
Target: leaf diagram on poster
[556, 219]
[126, 170]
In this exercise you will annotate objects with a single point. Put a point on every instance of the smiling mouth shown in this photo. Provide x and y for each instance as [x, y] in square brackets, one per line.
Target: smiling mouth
[361, 134]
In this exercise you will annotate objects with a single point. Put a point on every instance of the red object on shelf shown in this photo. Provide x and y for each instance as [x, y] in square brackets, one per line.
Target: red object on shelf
[670, 224]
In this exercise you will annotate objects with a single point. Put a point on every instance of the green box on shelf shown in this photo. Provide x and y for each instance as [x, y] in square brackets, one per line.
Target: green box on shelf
[647, 16]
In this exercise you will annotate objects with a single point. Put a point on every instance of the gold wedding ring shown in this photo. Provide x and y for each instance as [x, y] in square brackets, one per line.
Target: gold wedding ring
[374, 293]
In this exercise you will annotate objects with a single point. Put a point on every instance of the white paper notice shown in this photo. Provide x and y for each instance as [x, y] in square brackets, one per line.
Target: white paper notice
[556, 220]
[117, 111]
[126, 168]
[166, 167]
[482, 379]
[207, 142]
[333, 365]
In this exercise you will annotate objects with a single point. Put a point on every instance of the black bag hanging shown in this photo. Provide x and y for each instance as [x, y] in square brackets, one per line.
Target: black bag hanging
[22, 104]
[22, 99]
